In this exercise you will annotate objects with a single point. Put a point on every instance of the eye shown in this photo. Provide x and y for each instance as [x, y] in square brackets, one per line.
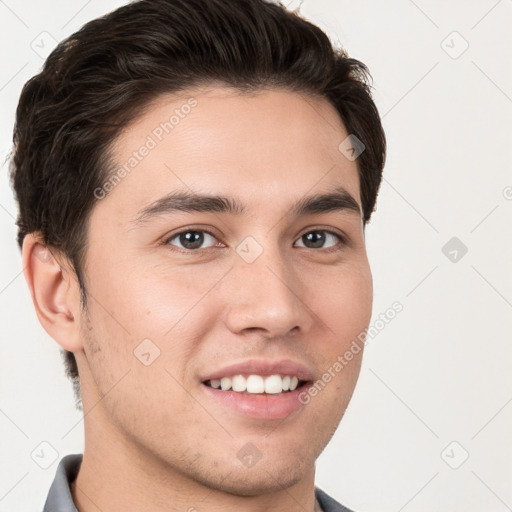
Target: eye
[317, 238]
[191, 239]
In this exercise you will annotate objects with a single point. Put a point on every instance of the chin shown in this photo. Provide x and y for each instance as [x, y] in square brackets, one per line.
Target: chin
[256, 481]
[265, 476]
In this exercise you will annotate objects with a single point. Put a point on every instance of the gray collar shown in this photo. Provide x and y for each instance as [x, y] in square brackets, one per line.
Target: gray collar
[59, 497]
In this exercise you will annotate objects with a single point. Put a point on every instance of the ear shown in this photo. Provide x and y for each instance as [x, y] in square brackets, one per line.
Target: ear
[55, 292]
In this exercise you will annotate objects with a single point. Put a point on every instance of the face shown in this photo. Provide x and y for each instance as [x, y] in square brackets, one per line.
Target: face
[180, 299]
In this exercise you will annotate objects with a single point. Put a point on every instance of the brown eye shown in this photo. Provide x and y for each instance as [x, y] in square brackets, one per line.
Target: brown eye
[190, 239]
[317, 239]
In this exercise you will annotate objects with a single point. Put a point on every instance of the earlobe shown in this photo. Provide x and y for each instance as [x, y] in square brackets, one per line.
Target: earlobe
[54, 293]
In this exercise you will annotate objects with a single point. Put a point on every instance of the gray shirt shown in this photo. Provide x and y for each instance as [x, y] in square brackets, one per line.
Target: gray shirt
[60, 500]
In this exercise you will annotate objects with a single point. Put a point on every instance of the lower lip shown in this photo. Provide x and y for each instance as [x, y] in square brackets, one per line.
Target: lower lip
[259, 406]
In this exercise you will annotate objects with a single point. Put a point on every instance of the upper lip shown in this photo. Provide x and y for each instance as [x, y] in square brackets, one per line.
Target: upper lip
[263, 367]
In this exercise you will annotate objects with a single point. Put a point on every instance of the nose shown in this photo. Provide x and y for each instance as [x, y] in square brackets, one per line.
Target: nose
[267, 295]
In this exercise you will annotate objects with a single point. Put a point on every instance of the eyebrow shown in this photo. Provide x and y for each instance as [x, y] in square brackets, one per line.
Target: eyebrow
[338, 199]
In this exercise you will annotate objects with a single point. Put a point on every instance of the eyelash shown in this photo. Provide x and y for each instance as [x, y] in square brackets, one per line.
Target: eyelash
[338, 247]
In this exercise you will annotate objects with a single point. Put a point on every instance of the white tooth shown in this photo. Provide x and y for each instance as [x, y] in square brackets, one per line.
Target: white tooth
[294, 381]
[273, 384]
[286, 383]
[215, 383]
[255, 384]
[238, 382]
[225, 383]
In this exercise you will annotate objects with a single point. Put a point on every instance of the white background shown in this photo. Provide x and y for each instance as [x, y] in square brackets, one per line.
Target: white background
[440, 371]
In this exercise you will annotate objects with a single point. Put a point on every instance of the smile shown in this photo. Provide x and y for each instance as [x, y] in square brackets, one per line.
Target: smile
[256, 384]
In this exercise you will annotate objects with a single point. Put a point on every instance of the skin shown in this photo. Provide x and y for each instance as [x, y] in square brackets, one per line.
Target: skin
[153, 439]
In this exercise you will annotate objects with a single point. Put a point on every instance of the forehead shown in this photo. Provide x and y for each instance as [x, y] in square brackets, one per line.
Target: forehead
[263, 146]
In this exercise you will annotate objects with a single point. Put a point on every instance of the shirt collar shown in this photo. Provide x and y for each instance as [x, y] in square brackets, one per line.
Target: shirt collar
[59, 497]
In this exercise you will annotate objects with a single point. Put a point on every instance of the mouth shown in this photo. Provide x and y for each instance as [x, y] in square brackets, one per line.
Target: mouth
[254, 384]
[262, 390]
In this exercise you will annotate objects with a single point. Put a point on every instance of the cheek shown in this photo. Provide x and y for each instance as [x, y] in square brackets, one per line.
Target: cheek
[152, 300]
[344, 308]
[343, 300]
[154, 310]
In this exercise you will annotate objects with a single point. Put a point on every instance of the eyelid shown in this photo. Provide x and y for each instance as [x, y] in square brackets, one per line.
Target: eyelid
[338, 233]
[168, 238]
[343, 238]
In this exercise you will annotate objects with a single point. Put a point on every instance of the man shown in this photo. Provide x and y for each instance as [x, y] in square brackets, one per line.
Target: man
[194, 178]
